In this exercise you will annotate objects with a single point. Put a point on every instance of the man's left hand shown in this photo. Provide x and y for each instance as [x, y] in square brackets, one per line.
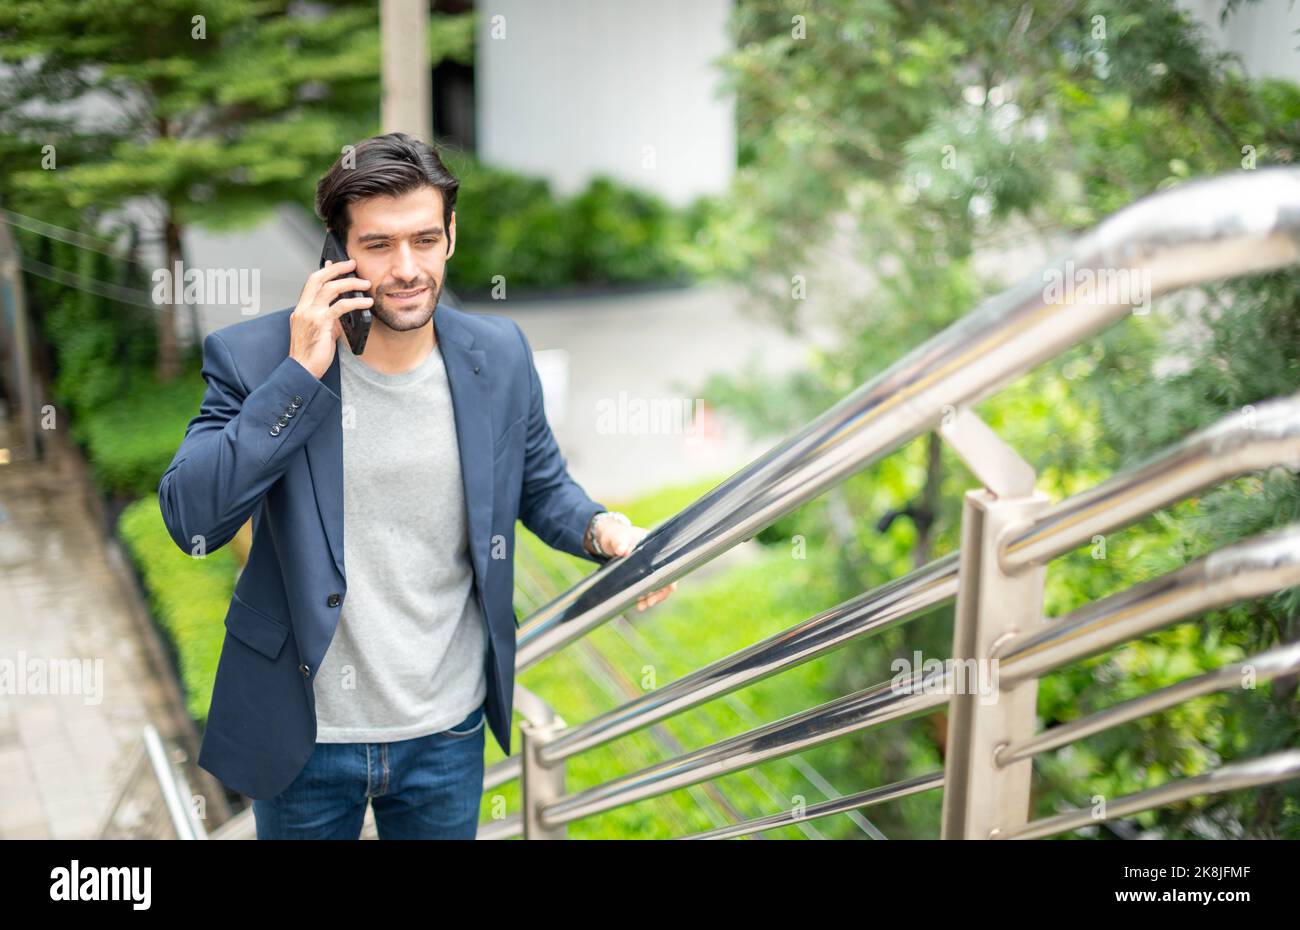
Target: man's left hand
[618, 539]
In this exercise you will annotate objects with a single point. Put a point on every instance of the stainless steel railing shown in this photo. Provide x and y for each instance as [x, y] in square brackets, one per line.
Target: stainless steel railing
[1195, 234]
[153, 799]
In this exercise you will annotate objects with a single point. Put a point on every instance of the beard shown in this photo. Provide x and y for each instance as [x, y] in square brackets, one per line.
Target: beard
[402, 318]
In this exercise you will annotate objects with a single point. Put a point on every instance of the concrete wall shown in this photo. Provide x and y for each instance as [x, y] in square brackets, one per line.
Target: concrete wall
[572, 88]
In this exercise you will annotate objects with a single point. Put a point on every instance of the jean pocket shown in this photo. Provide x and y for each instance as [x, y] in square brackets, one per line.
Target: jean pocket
[469, 726]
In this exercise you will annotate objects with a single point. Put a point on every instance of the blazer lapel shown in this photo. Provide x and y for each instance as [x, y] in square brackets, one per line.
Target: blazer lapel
[471, 399]
[325, 462]
[467, 376]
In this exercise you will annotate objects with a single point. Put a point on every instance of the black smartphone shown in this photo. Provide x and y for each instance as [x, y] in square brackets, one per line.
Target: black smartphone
[355, 323]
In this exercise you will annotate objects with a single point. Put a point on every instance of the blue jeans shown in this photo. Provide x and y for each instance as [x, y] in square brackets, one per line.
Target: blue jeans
[427, 788]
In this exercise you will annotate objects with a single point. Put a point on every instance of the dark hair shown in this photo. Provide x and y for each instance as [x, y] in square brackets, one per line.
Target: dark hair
[392, 165]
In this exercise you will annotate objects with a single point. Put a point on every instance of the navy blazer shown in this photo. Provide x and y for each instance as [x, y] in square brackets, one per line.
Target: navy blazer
[267, 443]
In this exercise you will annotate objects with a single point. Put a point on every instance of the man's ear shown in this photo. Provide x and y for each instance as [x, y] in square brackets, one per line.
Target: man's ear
[451, 236]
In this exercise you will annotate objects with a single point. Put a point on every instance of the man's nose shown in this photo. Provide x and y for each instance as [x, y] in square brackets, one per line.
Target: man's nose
[406, 270]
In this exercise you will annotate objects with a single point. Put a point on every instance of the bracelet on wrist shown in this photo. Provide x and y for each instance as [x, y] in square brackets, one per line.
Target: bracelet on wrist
[591, 530]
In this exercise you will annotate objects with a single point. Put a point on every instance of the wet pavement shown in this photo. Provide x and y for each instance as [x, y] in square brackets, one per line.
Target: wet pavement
[76, 681]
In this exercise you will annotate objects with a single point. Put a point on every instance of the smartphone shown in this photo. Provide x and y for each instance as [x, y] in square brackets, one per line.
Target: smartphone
[355, 323]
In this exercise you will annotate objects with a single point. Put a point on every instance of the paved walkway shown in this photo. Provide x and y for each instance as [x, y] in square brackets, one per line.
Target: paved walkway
[62, 606]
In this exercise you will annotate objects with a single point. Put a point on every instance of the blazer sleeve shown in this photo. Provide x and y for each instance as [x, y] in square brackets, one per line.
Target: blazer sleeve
[230, 457]
[552, 505]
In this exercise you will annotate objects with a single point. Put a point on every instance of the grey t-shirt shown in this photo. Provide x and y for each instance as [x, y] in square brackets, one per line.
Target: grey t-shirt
[409, 655]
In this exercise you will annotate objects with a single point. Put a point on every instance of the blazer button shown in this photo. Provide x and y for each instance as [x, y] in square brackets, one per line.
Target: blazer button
[305, 670]
[275, 430]
[297, 401]
[282, 421]
[333, 600]
[288, 412]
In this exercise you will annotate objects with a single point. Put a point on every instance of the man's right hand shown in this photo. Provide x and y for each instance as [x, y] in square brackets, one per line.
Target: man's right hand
[314, 326]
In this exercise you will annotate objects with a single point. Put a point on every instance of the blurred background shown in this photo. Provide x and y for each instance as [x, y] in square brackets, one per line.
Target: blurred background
[732, 212]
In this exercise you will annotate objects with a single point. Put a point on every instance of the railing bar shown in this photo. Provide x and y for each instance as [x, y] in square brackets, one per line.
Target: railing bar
[534, 592]
[500, 773]
[502, 829]
[1266, 770]
[177, 810]
[1266, 666]
[843, 804]
[615, 694]
[612, 692]
[899, 601]
[1238, 444]
[862, 710]
[944, 571]
[809, 771]
[639, 644]
[1263, 564]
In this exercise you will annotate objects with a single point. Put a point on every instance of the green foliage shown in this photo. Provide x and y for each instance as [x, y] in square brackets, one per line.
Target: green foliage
[105, 394]
[515, 227]
[242, 98]
[188, 597]
[953, 134]
[506, 224]
[621, 234]
[131, 440]
[98, 344]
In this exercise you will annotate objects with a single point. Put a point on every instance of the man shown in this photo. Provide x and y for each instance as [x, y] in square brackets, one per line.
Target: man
[337, 688]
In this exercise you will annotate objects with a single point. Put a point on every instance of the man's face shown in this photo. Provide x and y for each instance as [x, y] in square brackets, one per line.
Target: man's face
[402, 250]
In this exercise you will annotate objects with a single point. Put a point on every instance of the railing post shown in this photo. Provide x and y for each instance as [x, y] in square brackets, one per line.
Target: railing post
[980, 798]
[540, 783]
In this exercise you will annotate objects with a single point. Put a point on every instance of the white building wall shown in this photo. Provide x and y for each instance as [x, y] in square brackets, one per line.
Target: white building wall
[567, 89]
[1263, 34]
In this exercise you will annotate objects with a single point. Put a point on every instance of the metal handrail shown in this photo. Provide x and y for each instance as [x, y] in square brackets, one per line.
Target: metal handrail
[899, 601]
[1252, 773]
[1260, 565]
[849, 802]
[862, 710]
[1241, 443]
[150, 757]
[1284, 660]
[1236, 445]
[1198, 233]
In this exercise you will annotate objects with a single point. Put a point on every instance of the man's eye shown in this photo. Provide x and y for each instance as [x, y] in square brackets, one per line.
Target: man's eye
[428, 240]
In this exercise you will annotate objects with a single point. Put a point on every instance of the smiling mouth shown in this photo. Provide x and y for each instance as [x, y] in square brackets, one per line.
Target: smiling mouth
[406, 295]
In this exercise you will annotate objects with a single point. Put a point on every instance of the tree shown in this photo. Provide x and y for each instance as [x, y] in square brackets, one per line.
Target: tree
[212, 115]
